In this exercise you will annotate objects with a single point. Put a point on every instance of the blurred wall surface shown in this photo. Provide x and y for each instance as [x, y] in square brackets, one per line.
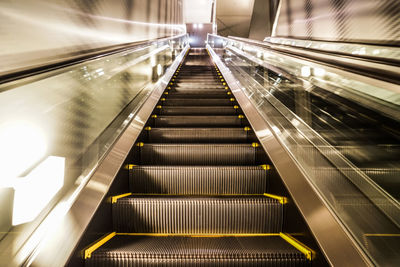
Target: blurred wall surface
[360, 21]
[234, 16]
[39, 32]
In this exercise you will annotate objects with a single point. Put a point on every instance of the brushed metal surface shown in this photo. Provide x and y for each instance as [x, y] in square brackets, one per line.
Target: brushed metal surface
[338, 246]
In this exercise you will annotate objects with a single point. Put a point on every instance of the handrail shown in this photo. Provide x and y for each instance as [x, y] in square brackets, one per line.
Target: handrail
[386, 70]
[320, 47]
[84, 56]
[361, 80]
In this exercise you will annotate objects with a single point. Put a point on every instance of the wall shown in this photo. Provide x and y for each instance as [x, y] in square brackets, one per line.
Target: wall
[37, 32]
[362, 21]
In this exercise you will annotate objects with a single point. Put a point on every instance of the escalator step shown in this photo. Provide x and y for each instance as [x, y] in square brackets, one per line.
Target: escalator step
[200, 135]
[196, 89]
[126, 250]
[197, 86]
[202, 110]
[192, 180]
[199, 121]
[198, 154]
[197, 215]
[199, 102]
[199, 94]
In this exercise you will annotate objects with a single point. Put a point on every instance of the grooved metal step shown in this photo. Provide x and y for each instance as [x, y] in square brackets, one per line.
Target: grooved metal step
[197, 154]
[197, 215]
[196, 89]
[198, 102]
[199, 85]
[200, 135]
[199, 94]
[198, 110]
[168, 251]
[195, 180]
[199, 121]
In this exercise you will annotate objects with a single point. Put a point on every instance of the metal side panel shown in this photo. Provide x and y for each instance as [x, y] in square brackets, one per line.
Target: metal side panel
[341, 250]
[69, 219]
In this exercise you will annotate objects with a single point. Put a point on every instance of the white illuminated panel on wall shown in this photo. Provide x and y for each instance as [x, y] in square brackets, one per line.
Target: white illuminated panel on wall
[22, 144]
[34, 191]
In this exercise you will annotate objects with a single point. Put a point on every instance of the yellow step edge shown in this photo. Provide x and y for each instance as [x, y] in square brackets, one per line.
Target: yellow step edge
[228, 93]
[223, 83]
[235, 106]
[129, 166]
[166, 93]
[241, 116]
[266, 167]
[200, 235]
[148, 128]
[102, 241]
[140, 144]
[247, 128]
[154, 116]
[232, 99]
[299, 246]
[114, 199]
[226, 87]
[159, 106]
[207, 195]
[255, 144]
[282, 200]
[162, 99]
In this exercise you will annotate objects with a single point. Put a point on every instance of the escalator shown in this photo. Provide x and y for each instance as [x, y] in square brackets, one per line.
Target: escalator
[199, 186]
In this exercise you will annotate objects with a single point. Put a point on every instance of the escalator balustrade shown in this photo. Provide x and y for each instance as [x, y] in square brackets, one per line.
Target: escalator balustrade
[199, 193]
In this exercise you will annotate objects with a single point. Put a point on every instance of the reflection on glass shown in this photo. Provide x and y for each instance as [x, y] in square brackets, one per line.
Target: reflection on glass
[56, 126]
[348, 149]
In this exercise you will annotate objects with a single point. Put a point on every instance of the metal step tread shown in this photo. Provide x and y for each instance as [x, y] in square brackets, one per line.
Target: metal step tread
[141, 250]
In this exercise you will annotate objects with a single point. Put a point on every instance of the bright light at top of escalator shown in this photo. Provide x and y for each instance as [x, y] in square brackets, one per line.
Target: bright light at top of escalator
[22, 145]
[200, 25]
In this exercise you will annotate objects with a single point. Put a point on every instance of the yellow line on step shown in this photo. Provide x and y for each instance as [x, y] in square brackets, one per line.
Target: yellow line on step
[102, 241]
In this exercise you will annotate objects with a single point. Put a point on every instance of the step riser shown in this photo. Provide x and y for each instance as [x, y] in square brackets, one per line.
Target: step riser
[197, 155]
[197, 216]
[199, 121]
[228, 135]
[198, 181]
[198, 110]
[198, 94]
[198, 102]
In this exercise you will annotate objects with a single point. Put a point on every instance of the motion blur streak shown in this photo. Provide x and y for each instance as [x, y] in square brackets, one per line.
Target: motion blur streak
[35, 33]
